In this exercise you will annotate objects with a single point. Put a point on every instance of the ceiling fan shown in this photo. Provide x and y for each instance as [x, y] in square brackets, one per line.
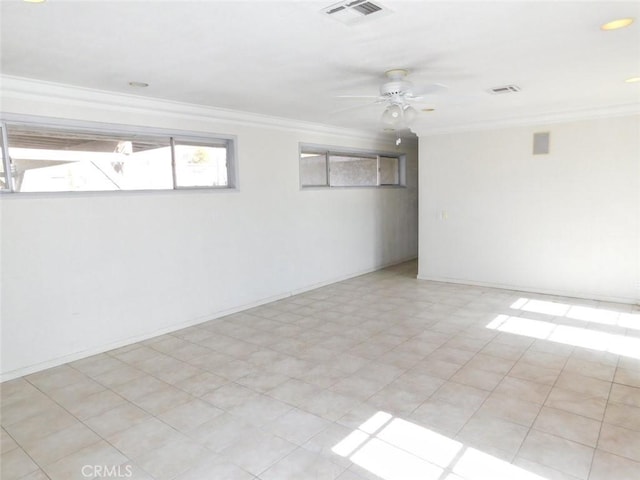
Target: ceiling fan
[398, 93]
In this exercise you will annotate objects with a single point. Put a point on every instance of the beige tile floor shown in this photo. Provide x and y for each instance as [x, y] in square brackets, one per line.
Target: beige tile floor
[377, 377]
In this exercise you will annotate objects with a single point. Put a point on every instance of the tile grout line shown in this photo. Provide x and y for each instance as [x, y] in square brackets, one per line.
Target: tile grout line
[604, 414]
[542, 404]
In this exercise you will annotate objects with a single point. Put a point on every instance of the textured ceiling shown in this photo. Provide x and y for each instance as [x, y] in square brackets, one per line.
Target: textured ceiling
[287, 59]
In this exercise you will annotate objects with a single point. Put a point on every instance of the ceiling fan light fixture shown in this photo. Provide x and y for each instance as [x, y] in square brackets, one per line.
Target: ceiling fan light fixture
[409, 114]
[392, 115]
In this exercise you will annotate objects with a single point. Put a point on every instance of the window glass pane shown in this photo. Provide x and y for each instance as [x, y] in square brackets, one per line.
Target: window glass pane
[389, 171]
[353, 171]
[313, 169]
[201, 166]
[4, 185]
[48, 160]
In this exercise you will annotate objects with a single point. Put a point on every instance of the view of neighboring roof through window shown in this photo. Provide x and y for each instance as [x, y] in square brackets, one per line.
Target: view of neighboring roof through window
[200, 166]
[65, 160]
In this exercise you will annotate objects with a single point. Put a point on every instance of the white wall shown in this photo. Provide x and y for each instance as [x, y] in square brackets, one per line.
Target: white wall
[82, 273]
[565, 223]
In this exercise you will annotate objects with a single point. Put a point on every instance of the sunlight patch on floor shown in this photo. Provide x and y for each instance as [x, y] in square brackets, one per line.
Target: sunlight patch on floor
[395, 449]
[575, 336]
[579, 312]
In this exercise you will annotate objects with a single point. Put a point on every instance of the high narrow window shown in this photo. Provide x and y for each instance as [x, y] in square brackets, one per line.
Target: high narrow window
[44, 159]
[323, 167]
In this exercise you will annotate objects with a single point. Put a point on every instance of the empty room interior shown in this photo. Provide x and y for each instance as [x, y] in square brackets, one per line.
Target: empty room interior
[305, 240]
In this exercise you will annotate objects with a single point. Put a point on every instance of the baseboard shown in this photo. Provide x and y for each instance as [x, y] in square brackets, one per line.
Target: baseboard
[529, 289]
[20, 372]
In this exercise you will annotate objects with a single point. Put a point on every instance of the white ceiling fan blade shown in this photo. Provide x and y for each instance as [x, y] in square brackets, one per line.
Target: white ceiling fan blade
[421, 90]
[359, 96]
[357, 107]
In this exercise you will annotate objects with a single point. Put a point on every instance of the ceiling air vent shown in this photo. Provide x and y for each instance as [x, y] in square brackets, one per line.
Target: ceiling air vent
[366, 8]
[351, 11]
[504, 89]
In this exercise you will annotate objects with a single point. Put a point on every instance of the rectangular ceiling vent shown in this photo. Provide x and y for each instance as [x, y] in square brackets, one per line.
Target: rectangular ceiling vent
[351, 11]
[504, 89]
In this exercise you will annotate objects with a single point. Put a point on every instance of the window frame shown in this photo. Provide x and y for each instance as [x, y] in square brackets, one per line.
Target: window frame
[217, 142]
[326, 167]
[170, 136]
[329, 151]
[6, 161]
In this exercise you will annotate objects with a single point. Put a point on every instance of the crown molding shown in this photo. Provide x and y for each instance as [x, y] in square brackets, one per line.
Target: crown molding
[26, 89]
[538, 119]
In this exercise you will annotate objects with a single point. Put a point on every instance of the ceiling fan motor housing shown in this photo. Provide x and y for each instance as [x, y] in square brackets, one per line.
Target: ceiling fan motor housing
[394, 88]
[397, 86]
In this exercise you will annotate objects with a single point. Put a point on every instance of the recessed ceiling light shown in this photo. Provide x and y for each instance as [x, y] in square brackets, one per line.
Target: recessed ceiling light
[35, 1]
[138, 84]
[616, 24]
[633, 80]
